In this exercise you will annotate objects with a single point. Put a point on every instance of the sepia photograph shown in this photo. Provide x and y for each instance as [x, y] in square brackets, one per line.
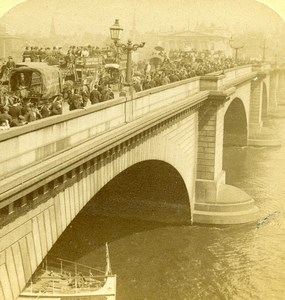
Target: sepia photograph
[142, 150]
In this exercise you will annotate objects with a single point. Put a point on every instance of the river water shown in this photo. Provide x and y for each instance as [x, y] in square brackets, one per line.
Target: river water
[158, 261]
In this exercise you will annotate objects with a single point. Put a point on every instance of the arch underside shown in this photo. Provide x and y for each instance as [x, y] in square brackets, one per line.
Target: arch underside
[148, 190]
[235, 124]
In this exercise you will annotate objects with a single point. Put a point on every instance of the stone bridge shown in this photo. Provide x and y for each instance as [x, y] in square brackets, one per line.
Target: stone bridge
[51, 168]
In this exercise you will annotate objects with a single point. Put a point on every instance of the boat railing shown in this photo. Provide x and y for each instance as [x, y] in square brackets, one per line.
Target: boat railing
[62, 276]
[53, 286]
[77, 266]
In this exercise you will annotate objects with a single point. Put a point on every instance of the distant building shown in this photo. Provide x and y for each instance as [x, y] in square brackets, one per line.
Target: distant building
[9, 44]
[187, 40]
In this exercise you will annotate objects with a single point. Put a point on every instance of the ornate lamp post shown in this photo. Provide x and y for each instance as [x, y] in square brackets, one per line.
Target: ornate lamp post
[115, 32]
[235, 47]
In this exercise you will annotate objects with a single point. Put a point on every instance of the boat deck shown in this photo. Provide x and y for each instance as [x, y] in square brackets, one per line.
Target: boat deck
[51, 282]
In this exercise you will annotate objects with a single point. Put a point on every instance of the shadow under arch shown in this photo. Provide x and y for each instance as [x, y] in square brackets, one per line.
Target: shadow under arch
[264, 102]
[150, 190]
[235, 124]
[147, 195]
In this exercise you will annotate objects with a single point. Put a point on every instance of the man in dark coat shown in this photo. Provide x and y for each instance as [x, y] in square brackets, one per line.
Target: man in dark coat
[95, 95]
[33, 54]
[4, 115]
[10, 63]
[26, 54]
[45, 109]
[15, 110]
[107, 94]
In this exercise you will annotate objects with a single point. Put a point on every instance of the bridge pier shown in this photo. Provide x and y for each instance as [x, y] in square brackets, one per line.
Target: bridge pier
[277, 93]
[215, 201]
[281, 87]
[260, 105]
[273, 91]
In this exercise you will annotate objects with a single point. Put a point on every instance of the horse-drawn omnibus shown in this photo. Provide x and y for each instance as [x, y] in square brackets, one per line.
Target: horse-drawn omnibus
[82, 71]
[36, 81]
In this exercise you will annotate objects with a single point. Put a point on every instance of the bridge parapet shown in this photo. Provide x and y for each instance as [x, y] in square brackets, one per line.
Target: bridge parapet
[236, 72]
[261, 68]
[156, 98]
[222, 80]
[25, 146]
[22, 147]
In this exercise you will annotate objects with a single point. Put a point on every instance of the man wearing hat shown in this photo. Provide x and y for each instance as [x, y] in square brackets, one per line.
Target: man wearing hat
[45, 109]
[107, 94]
[15, 109]
[76, 101]
[3, 71]
[19, 121]
[10, 63]
[26, 54]
[56, 107]
[95, 95]
[4, 115]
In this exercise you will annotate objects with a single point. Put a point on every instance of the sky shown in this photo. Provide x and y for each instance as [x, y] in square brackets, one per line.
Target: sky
[277, 5]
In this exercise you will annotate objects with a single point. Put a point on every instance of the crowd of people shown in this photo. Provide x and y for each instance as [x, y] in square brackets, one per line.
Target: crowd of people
[179, 65]
[40, 54]
[35, 54]
[16, 110]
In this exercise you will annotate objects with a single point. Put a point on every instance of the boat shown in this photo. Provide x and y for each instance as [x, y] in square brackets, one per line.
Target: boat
[66, 280]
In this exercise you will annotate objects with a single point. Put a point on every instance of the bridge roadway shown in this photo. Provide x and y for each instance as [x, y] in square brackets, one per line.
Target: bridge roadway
[51, 168]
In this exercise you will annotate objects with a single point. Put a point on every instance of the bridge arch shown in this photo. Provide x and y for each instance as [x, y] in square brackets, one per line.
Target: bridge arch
[50, 213]
[150, 190]
[235, 124]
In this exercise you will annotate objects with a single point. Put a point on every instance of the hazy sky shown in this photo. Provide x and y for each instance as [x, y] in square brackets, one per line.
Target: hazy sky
[78, 16]
[277, 5]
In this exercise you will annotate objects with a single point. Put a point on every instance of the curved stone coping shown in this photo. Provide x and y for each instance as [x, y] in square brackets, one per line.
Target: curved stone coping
[226, 218]
[218, 207]
[233, 206]
[229, 194]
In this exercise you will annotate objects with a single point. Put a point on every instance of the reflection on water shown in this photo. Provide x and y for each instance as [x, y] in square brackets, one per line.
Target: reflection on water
[156, 261]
